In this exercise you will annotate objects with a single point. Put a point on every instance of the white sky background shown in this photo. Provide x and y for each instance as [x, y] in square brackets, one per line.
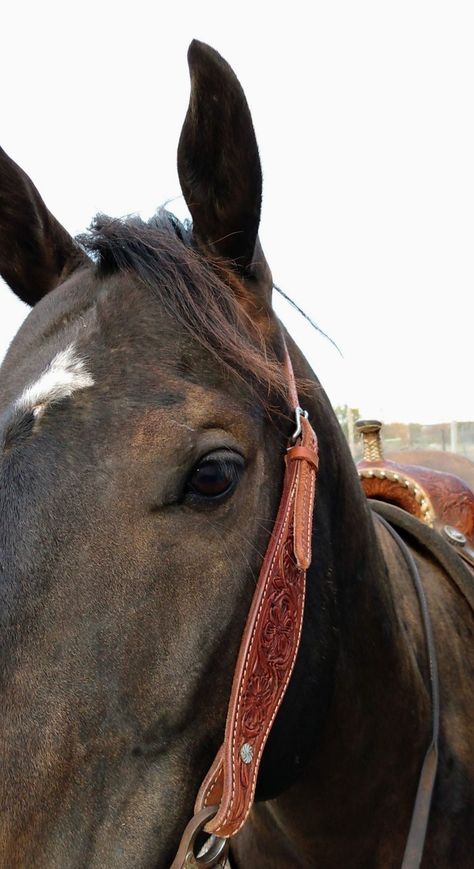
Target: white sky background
[364, 117]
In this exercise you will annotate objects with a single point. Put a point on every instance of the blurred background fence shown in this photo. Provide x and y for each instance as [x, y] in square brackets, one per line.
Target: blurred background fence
[455, 436]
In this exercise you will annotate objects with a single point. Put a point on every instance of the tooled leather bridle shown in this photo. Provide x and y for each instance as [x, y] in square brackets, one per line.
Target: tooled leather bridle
[266, 660]
[267, 653]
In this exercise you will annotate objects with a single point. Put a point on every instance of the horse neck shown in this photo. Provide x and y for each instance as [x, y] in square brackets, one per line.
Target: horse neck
[356, 687]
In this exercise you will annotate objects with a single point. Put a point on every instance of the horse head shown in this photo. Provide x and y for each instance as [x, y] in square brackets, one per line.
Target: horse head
[145, 414]
[144, 420]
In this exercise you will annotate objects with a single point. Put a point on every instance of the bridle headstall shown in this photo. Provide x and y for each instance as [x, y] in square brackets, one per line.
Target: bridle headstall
[265, 663]
[267, 653]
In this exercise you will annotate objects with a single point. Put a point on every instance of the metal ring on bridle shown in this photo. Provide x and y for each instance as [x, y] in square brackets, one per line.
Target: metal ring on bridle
[299, 412]
[216, 847]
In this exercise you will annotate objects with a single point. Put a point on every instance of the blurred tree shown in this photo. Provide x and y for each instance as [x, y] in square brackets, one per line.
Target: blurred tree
[346, 415]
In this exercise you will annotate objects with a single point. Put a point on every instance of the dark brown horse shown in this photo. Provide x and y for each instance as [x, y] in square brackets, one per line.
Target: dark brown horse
[144, 418]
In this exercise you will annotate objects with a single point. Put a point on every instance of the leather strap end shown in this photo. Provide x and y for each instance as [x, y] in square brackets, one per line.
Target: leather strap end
[306, 454]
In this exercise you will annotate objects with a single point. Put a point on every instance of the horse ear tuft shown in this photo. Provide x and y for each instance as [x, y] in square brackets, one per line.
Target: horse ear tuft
[218, 161]
[36, 252]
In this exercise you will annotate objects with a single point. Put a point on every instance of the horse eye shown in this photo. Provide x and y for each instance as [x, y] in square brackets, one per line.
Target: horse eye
[215, 477]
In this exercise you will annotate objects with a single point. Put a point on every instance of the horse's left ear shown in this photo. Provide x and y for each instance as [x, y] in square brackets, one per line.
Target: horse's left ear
[218, 162]
[36, 252]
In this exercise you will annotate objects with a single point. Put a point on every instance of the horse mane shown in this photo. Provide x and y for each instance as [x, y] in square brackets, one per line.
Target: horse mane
[199, 291]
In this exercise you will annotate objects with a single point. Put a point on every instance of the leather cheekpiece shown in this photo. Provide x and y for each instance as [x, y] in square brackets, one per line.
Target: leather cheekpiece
[269, 645]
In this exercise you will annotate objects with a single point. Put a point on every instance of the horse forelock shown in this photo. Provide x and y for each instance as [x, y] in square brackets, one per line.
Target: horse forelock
[200, 293]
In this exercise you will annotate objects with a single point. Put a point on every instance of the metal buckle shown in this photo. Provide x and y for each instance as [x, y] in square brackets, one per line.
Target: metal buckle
[299, 412]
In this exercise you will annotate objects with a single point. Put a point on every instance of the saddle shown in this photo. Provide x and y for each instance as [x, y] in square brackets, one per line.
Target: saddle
[440, 500]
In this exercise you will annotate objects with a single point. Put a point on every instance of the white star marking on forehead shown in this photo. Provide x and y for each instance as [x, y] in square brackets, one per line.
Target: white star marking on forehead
[65, 374]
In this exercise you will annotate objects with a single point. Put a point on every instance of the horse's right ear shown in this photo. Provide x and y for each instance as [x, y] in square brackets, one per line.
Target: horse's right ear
[36, 252]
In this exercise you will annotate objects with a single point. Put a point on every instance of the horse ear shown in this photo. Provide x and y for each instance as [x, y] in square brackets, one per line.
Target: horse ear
[36, 252]
[218, 163]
